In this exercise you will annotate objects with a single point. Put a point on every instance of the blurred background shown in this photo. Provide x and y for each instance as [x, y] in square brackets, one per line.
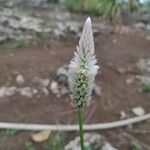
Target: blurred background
[37, 41]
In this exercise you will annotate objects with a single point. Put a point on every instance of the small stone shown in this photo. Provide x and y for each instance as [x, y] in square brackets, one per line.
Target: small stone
[143, 79]
[54, 87]
[42, 82]
[62, 71]
[107, 146]
[20, 79]
[25, 91]
[58, 32]
[94, 140]
[148, 27]
[140, 25]
[130, 80]
[121, 70]
[45, 82]
[144, 66]
[3, 39]
[11, 54]
[114, 41]
[7, 91]
[147, 38]
[123, 115]
[138, 111]
[45, 91]
[34, 91]
[73, 26]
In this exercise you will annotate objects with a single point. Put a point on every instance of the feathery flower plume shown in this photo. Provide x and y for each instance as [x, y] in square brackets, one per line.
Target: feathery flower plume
[83, 69]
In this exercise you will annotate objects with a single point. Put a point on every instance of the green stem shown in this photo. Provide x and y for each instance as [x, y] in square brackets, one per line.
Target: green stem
[80, 119]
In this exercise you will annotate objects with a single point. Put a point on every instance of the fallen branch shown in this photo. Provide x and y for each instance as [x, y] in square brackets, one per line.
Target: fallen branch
[100, 126]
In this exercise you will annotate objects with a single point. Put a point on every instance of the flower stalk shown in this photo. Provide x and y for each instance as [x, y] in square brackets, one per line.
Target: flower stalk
[81, 74]
[80, 120]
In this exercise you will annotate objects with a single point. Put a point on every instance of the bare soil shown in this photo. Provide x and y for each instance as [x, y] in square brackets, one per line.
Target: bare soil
[113, 51]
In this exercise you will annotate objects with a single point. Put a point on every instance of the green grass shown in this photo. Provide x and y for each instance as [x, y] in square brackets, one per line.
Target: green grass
[52, 1]
[72, 5]
[146, 88]
[134, 146]
[29, 146]
[55, 142]
[110, 9]
[93, 7]
[4, 134]
[14, 44]
[20, 115]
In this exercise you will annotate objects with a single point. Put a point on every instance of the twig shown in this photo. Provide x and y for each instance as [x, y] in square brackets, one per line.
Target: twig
[100, 126]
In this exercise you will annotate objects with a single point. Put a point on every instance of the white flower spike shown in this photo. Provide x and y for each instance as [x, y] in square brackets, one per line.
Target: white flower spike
[83, 69]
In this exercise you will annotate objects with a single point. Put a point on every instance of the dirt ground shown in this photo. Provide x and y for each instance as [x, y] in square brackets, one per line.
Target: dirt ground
[113, 51]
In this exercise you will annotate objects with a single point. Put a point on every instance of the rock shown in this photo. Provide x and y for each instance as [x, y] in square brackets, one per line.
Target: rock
[25, 91]
[123, 115]
[42, 82]
[108, 146]
[143, 17]
[143, 79]
[35, 3]
[121, 70]
[58, 32]
[20, 79]
[62, 71]
[34, 91]
[26, 22]
[7, 91]
[93, 140]
[61, 26]
[3, 39]
[130, 80]
[7, 31]
[9, 4]
[140, 25]
[6, 12]
[123, 29]
[144, 66]
[54, 87]
[147, 38]
[62, 74]
[3, 19]
[14, 23]
[148, 27]
[31, 23]
[73, 26]
[138, 111]
[63, 15]
[114, 41]
[20, 37]
[45, 91]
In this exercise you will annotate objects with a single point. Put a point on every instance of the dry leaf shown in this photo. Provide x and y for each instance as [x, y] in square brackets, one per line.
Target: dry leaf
[41, 136]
